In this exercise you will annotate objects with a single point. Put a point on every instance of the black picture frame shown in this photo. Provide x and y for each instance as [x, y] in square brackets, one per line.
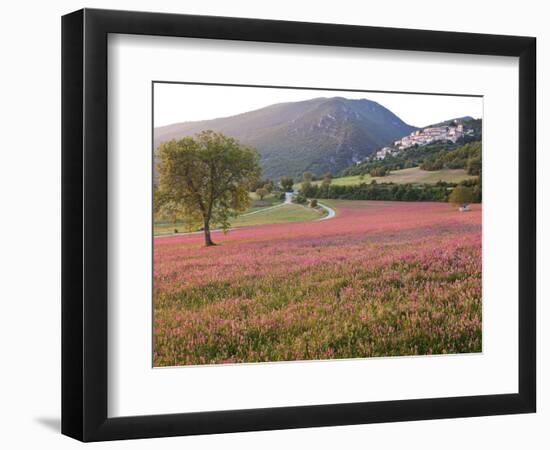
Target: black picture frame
[84, 224]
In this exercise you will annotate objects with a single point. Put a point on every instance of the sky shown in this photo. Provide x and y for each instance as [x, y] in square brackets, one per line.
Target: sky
[182, 103]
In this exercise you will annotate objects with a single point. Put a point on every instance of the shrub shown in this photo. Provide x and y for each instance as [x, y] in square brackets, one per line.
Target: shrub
[300, 199]
[378, 172]
[462, 195]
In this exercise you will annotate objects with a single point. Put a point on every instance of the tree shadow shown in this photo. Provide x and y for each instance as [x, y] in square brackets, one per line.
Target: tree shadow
[52, 423]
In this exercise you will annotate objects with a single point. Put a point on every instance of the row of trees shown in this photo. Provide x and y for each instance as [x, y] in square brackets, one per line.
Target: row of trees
[468, 192]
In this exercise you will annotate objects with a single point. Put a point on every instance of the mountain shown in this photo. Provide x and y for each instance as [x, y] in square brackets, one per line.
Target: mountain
[317, 135]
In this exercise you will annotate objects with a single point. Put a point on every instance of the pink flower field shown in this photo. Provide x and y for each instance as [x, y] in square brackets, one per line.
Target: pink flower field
[379, 279]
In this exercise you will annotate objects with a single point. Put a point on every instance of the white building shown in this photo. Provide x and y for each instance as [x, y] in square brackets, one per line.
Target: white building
[382, 153]
[428, 135]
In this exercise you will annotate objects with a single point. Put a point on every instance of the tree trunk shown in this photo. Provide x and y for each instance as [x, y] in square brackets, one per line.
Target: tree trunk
[207, 239]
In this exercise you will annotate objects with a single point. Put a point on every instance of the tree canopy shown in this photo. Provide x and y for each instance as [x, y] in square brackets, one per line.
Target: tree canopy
[327, 180]
[307, 176]
[262, 192]
[462, 195]
[208, 176]
[287, 183]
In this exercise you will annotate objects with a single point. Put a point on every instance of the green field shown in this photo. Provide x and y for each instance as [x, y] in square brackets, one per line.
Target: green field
[280, 214]
[413, 175]
[163, 225]
[257, 204]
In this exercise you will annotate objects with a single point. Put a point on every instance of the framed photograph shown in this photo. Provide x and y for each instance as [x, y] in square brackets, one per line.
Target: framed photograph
[273, 225]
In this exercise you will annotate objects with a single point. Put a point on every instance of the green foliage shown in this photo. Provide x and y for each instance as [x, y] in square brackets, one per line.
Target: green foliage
[462, 195]
[300, 199]
[432, 165]
[208, 177]
[287, 183]
[381, 191]
[327, 180]
[474, 166]
[305, 186]
[171, 212]
[412, 157]
[467, 157]
[313, 203]
[412, 175]
[260, 183]
[307, 176]
[378, 172]
[261, 192]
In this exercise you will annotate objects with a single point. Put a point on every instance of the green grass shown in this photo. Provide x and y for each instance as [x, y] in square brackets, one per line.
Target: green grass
[414, 175]
[162, 225]
[257, 204]
[281, 214]
[417, 175]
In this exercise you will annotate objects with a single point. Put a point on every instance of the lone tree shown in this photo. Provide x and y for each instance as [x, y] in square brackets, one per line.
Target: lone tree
[209, 176]
[262, 192]
[287, 183]
[462, 196]
[305, 188]
[327, 180]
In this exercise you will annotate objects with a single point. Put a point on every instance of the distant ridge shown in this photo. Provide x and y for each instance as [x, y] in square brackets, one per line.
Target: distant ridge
[317, 135]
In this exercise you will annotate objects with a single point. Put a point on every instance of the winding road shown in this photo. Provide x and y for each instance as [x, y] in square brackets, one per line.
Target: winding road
[329, 210]
[288, 200]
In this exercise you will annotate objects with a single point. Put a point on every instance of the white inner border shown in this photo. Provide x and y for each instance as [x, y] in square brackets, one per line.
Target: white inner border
[135, 388]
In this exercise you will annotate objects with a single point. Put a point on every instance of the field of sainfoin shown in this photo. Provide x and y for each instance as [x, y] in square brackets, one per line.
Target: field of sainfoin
[379, 279]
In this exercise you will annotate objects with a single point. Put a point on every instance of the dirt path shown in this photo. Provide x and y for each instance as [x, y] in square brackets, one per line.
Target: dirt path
[331, 212]
[288, 201]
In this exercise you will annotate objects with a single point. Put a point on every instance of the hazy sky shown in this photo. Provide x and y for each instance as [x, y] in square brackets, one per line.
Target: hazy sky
[181, 103]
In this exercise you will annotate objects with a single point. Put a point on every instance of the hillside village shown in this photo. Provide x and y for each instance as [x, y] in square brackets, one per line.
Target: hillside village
[451, 132]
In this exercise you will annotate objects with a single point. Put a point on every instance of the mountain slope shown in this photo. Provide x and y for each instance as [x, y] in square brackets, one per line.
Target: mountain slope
[317, 135]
